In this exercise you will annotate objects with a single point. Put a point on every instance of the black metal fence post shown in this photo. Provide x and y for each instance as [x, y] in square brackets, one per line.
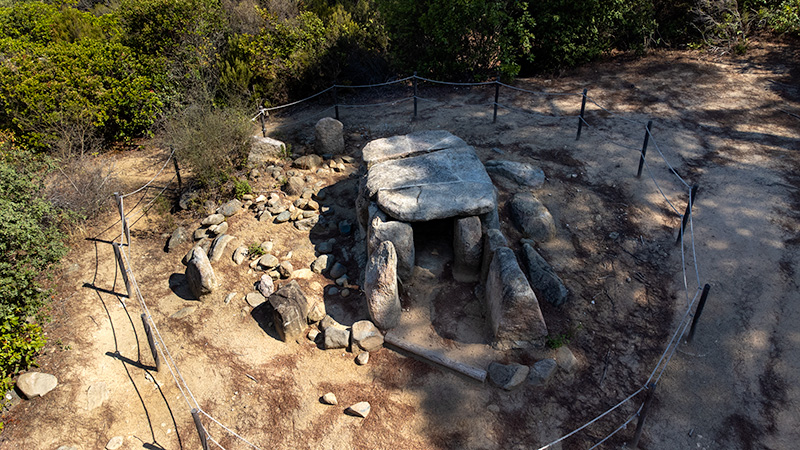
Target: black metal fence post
[580, 119]
[335, 102]
[177, 171]
[643, 415]
[496, 97]
[692, 194]
[200, 430]
[414, 82]
[263, 121]
[644, 147]
[698, 312]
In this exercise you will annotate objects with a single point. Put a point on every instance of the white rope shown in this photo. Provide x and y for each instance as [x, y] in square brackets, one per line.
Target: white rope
[655, 143]
[608, 138]
[674, 348]
[650, 173]
[373, 85]
[393, 102]
[147, 207]
[593, 420]
[570, 94]
[295, 103]
[672, 341]
[613, 113]
[214, 441]
[694, 252]
[153, 179]
[621, 427]
[683, 254]
[533, 113]
[450, 83]
[228, 429]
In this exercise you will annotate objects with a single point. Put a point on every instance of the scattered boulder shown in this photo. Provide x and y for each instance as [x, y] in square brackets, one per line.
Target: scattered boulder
[283, 217]
[200, 233]
[330, 322]
[218, 247]
[566, 359]
[365, 336]
[263, 150]
[337, 270]
[268, 261]
[336, 338]
[325, 247]
[290, 310]
[542, 371]
[255, 298]
[316, 312]
[294, 186]
[380, 287]
[543, 279]
[179, 236]
[467, 249]
[183, 312]
[36, 384]
[230, 208]
[514, 314]
[67, 447]
[200, 275]
[362, 358]
[285, 269]
[265, 285]
[187, 199]
[515, 176]
[302, 274]
[322, 263]
[219, 229]
[307, 224]
[330, 399]
[313, 334]
[360, 409]
[213, 219]
[328, 136]
[308, 162]
[401, 235]
[115, 443]
[239, 255]
[229, 297]
[507, 376]
[532, 218]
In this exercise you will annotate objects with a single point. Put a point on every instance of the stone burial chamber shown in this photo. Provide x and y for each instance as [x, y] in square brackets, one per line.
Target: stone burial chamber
[429, 176]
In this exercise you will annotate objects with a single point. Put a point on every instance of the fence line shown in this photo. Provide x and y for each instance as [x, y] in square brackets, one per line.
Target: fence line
[662, 363]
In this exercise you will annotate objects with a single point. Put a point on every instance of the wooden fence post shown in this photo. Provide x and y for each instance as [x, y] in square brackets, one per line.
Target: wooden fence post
[200, 430]
[121, 264]
[689, 205]
[151, 341]
[698, 312]
[643, 415]
[644, 147]
[580, 118]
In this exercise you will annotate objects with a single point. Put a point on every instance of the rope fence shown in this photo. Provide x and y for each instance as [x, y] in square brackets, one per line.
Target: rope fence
[161, 352]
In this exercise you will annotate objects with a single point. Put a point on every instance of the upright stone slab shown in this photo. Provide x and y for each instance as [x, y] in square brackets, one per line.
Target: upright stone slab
[200, 275]
[380, 287]
[492, 240]
[532, 218]
[401, 235]
[264, 150]
[290, 309]
[467, 249]
[514, 313]
[543, 278]
[329, 137]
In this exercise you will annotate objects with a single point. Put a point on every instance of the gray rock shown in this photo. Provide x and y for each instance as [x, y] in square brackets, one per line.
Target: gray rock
[333, 290]
[492, 240]
[322, 263]
[325, 247]
[187, 199]
[345, 227]
[290, 307]
[342, 280]
[267, 246]
[566, 359]
[328, 136]
[115, 443]
[183, 312]
[218, 229]
[230, 208]
[67, 447]
[514, 314]
[179, 236]
[336, 338]
[507, 376]
[542, 371]
[96, 395]
[229, 297]
[218, 247]
[328, 322]
[360, 409]
[380, 287]
[307, 224]
[255, 298]
[313, 334]
[200, 275]
[532, 218]
[200, 233]
[268, 261]
[239, 255]
[362, 358]
[330, 399]
[264, 216]
[265, 285]
[467, 249]
[308, 162]
[543, 279]
[294, 186]
[345, 293]
[397, 147]
[316, 312]
[205, 244]
[283, 217]
[263, 150]
[515, 176]
[401, 235]
[36, 384]
[446, 183]
[285, 269]
[365, 336]
[213, 219]
[337, 270]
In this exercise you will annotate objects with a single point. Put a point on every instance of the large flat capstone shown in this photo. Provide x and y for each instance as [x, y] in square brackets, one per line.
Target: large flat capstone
[434, 183]
[397, 147]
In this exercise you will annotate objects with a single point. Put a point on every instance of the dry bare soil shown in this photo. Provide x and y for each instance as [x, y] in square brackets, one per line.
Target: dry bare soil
[727, 125]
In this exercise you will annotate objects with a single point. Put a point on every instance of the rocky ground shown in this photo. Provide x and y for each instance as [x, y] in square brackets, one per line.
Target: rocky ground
[728, 126]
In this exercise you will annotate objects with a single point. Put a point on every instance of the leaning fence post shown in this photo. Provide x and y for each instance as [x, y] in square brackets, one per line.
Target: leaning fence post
[200, 430]
[121, 264]
[414, 82]
[643, 415]
[698, 312]
[692, 194]
[644, 147]
[496, 97]
[177, 170]
[580, 118]
[149, 332]
[263, 121]
[335, 102]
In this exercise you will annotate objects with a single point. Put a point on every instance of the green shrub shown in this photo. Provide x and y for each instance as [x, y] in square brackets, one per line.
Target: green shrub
[255, 250]
[240, 188]
[786, 17]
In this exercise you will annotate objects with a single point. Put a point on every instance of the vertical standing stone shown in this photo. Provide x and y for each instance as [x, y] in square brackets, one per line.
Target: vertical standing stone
[380, 286]
[200, 274]
[290, 311]
[329, 136]
[467, 247]
[493, 240]
[401, 235]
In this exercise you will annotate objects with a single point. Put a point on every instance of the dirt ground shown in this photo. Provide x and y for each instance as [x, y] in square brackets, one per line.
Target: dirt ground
[728, 126]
